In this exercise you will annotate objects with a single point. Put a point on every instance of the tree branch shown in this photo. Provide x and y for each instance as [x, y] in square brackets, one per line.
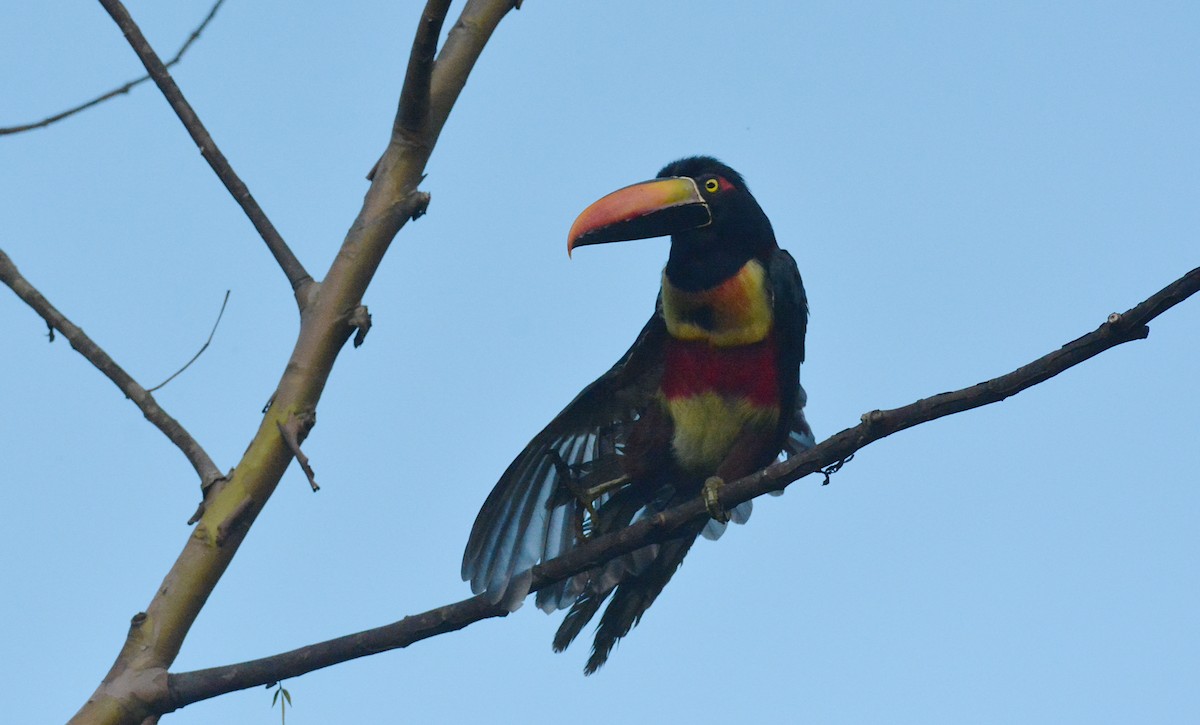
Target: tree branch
[413, 109]
[136, 684]
[192, 38]
[205, 468]
[189, 687]
[291, 266]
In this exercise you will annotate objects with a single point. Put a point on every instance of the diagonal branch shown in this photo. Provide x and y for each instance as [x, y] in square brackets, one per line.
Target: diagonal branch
[136, 685]
[414, 97]
[189, 687]
[288, 262]
[192, 38]
[412, 113]
[79, 340]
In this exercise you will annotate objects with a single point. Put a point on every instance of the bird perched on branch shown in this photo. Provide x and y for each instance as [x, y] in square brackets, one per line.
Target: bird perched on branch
[709, 392]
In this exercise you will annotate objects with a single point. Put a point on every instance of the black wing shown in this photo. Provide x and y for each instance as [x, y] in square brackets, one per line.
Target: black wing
[533, 514]
[790, 307]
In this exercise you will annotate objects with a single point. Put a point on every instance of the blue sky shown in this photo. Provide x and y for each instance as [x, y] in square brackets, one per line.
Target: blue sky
[966, 186]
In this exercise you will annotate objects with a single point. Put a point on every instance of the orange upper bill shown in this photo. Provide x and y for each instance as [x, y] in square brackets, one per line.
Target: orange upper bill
[649, 209]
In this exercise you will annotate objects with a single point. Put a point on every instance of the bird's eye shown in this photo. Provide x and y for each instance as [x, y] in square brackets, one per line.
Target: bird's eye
[712, 185]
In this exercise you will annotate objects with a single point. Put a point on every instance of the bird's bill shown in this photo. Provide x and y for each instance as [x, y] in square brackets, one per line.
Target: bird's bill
[649, 209]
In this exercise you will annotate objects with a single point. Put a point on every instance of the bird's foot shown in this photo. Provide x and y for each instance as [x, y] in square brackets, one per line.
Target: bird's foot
[588, 497]
[711, 487]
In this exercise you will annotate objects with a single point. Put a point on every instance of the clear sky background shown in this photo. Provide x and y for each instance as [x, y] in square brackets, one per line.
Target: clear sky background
[966, 186]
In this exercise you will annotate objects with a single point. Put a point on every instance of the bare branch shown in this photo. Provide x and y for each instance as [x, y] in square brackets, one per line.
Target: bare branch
[133, 689]
[458, 56]
[412, 112]
[189, 687]
[288, 262]
[202, 347]
[205, 468]
[195, 35]
[414, 98]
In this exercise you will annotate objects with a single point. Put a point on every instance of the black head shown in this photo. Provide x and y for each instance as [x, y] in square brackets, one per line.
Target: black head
[738, 231]
[716, 226]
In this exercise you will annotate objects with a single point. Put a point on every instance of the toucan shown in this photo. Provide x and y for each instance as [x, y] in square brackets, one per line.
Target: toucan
[709, 392]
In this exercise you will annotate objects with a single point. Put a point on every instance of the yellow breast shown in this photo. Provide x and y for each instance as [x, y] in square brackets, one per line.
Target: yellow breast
[707, 425]
[735, 312]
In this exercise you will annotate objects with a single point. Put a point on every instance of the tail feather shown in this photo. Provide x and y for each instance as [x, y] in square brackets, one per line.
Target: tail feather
[617, 513]
[582, 611]
[631, 600]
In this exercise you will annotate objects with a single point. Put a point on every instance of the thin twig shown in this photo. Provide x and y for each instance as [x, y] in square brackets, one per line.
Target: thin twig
[287, 260]
[189, 687]
[202, 347]
[122, 89]
[170, 427]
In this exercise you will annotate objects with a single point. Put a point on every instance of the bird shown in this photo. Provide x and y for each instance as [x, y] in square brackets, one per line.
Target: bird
[708, 392]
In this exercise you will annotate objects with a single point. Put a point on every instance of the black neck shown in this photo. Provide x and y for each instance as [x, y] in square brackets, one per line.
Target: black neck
[692, 270]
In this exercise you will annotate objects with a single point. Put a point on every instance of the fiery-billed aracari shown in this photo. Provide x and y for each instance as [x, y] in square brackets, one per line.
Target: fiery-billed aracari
[710, 391]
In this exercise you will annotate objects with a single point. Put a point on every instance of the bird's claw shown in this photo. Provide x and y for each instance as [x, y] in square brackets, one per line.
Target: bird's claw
[588, 497]
[591, 494]
[711, 502]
